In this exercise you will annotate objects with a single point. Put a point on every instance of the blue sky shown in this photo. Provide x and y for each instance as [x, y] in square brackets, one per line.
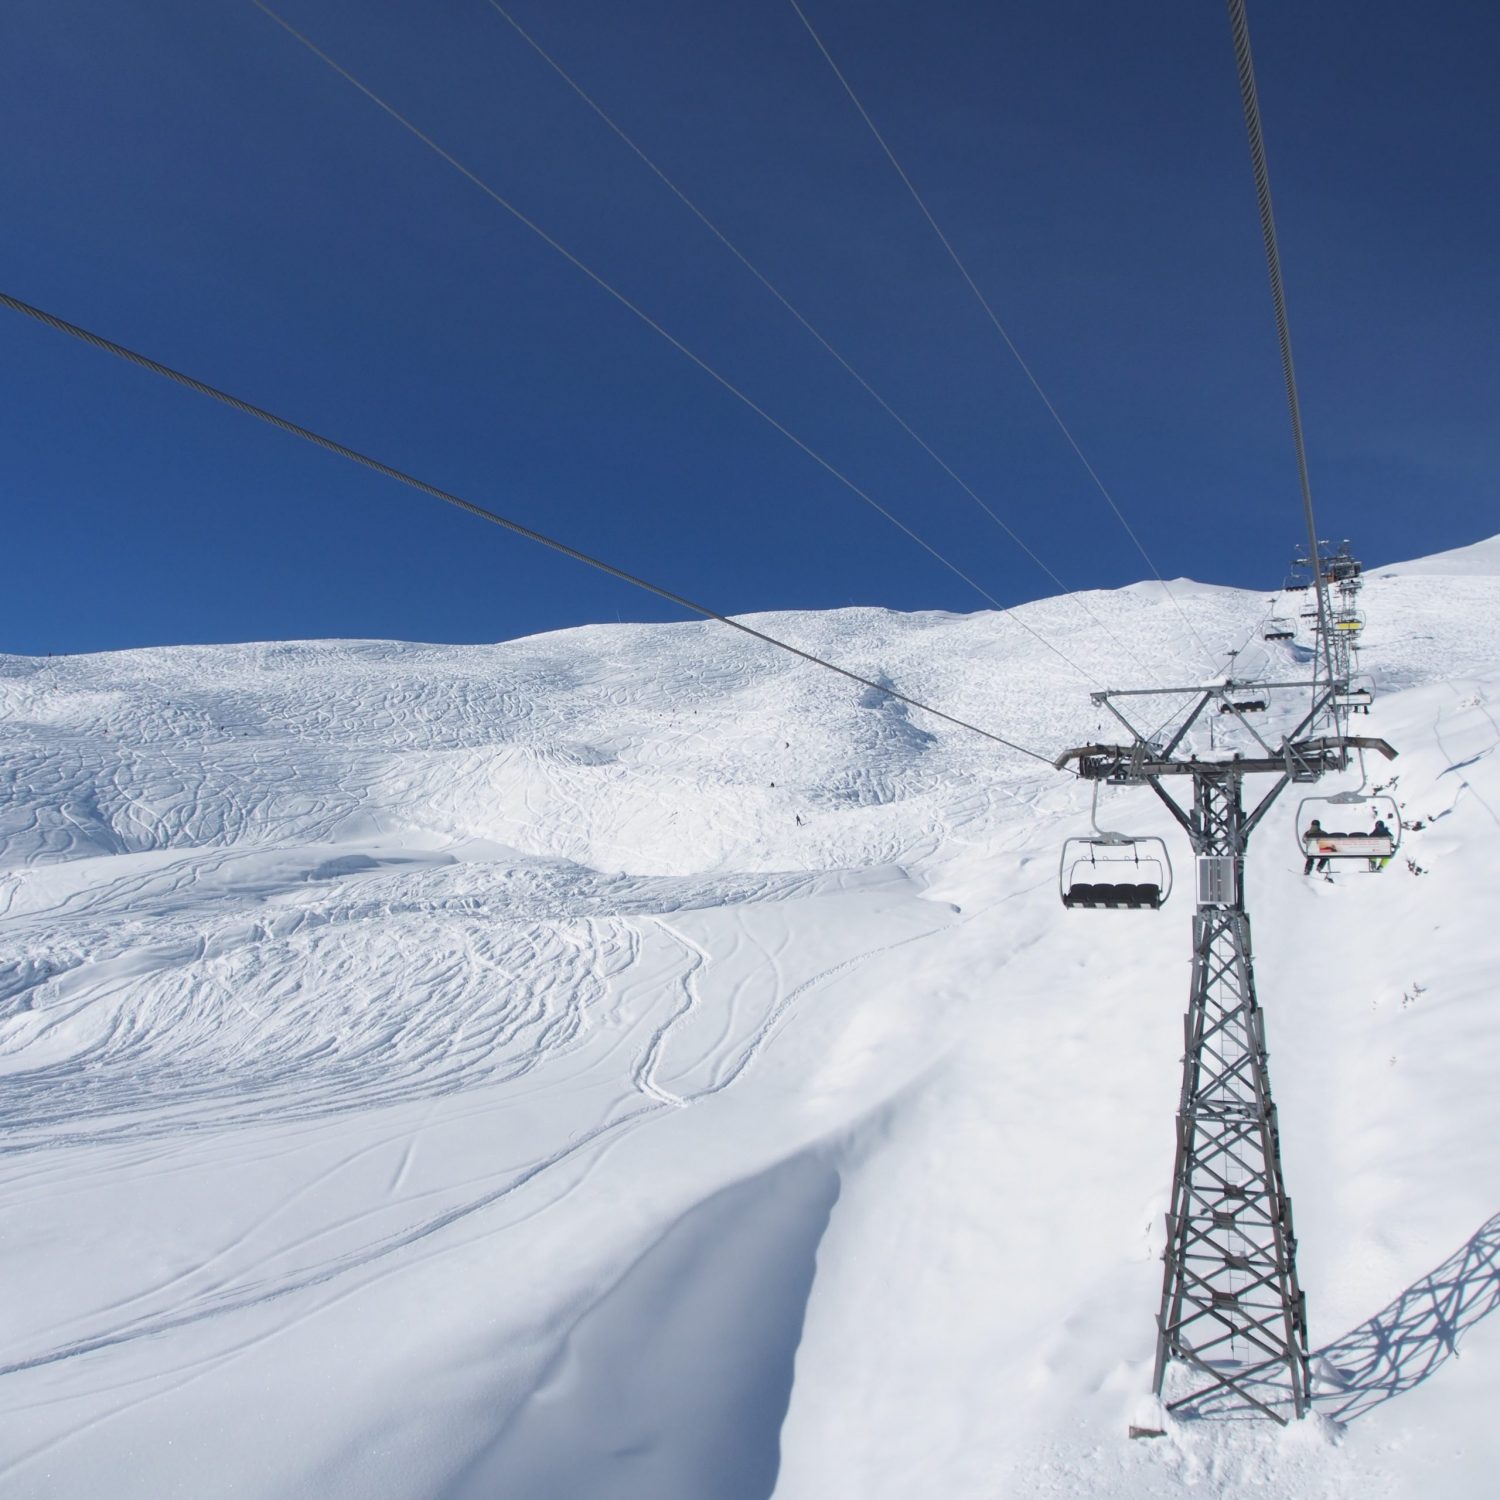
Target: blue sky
[183, 177]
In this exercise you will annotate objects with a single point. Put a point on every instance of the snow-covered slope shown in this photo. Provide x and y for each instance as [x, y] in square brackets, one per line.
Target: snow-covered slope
[631, 1063]
[1478, 559]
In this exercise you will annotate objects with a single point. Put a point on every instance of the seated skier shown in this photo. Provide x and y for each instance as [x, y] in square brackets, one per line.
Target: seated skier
[1310, 841]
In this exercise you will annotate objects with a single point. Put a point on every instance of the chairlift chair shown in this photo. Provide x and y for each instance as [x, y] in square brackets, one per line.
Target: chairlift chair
[1279, 629]
[1349, 623]
[1115, 872]
[1356, 696]
[1347, 822]
[1244, 705]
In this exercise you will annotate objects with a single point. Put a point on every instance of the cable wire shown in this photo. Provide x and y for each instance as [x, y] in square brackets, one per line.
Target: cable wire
[1257, 629]
[994, 318]
[657, 328]
[401, 477]
[786, 302]
[1250, 101]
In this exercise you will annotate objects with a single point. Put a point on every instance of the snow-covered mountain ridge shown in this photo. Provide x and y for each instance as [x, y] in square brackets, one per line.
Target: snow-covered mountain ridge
[630, 1062]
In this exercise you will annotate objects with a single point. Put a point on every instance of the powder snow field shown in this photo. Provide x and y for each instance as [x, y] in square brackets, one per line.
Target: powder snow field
[629, 1064]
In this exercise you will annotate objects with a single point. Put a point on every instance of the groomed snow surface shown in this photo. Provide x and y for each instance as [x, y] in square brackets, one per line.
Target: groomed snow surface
[629, 1064]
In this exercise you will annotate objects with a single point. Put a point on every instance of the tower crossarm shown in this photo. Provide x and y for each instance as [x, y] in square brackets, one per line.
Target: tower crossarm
[1302, 760]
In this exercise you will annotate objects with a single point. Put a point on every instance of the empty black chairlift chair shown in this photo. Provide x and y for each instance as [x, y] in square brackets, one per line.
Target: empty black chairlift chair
[1115, 872]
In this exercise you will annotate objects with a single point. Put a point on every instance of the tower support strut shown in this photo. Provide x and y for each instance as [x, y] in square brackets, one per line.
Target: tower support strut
[1232, 1330]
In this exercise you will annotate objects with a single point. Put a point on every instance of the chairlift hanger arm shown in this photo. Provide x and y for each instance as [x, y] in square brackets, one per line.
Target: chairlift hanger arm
[1167, 799]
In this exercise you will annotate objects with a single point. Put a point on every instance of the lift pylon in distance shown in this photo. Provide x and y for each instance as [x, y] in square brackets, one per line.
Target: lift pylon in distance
[1337, 631]
[1232, 1327]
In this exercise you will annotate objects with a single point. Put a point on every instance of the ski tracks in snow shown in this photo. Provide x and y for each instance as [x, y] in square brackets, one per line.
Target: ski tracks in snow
[648, 1065]
[270, 1038]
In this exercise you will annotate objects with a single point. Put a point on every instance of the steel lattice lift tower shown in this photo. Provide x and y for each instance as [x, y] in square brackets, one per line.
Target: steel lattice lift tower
[1337, 626]
[1232, 1330]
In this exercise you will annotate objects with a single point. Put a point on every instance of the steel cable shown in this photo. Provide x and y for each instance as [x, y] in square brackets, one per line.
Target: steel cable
[994, 318]
[801, 318]
[657, 328]
[1250, 101]
[145, 362]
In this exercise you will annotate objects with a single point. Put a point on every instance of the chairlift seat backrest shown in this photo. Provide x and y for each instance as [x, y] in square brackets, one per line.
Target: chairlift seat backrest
[1351, 821]
[1352, 845]
[1104, 896]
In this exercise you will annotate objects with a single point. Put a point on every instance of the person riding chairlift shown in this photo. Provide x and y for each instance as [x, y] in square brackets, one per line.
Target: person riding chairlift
[1311, 837]
[1379, 831]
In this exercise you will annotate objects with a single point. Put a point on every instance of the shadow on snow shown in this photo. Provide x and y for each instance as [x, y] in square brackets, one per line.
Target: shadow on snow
[675, 1383]
[1416, 1334]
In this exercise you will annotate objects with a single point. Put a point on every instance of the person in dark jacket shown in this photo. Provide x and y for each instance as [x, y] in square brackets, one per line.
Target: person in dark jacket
[1310, 840]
